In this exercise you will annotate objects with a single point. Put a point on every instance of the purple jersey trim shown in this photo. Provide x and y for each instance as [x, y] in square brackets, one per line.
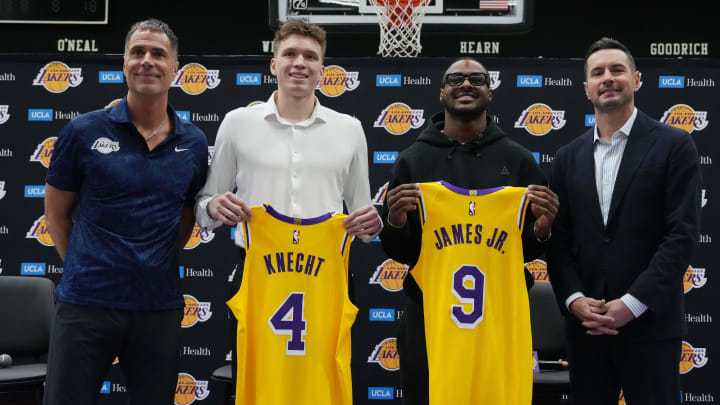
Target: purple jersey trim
[297, 221]
[464, 191]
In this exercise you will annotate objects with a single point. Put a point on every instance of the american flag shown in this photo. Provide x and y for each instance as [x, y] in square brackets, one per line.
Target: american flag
[493, 4]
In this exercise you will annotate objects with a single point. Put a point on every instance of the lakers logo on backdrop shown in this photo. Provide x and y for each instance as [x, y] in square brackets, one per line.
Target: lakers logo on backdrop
[398, 118]
[693, 278]
[380, 194]
[188, 389]
[198, 236]
[43, 152]
[195, 311]
[336, 81]
[494, 79]
[539, 119]
[4, 116]
[194, 79]
[40, 232]
[57, 77]
[621, 400]
[685, 117]
[390, 275]
[692, 357]
[386, 355]
[538, 269]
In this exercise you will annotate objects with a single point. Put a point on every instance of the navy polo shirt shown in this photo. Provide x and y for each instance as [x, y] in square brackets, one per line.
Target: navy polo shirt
[123, 250]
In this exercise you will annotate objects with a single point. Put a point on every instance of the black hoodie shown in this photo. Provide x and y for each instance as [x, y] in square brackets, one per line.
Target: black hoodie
[491, 160]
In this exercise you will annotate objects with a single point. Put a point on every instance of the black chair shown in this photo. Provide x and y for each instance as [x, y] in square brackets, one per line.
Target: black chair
[223, 374]
[26, 313]
[552, 384]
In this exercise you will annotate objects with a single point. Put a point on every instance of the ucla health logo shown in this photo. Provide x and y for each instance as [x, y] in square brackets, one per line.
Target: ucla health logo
[32, 269]
[198, 236]
[685, 117]
[693, 278]
[589, 120]
[494, 79]
[692, 357]
[111, 76]
[195, 311]
[529, 81]
[34, 191]
[4, 115]
[40, 114]
[105, 387]
[671, 82]
[384, 157]
[188, 389]
[538, 270]
[194, 79]
[382, 314]
[381, 393]
[398, 118]
[539, 119]
[183, 115]
[248, 79]
[40, 232]
[335, 81]
[43, 152]
[57, 77]
[386, 355]
[390, 275]
[388, 80]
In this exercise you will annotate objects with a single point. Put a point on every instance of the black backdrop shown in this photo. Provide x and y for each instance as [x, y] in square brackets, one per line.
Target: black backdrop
[31, 115]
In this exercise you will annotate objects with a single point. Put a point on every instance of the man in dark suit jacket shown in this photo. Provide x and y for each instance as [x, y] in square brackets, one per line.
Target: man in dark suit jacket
[628, 223]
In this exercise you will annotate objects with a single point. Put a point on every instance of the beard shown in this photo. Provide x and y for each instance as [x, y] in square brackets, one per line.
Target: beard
[464, 111]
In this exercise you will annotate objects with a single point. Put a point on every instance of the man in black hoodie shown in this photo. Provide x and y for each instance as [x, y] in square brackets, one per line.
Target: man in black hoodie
[463, 146]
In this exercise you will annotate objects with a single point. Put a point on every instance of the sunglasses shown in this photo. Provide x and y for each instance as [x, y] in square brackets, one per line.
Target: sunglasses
[476, 79]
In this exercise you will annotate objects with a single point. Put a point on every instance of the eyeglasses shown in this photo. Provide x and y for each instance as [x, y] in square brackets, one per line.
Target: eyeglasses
[476, 79]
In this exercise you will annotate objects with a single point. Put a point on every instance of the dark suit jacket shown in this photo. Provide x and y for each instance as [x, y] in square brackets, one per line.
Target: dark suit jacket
[651, 231]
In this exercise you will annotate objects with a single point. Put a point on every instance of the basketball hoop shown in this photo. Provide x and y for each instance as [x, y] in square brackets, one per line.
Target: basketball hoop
[400, 24]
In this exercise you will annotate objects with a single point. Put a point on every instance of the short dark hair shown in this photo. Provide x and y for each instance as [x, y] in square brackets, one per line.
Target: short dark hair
[460, 59]
[608, 43]
[154, 25]
[300, 27]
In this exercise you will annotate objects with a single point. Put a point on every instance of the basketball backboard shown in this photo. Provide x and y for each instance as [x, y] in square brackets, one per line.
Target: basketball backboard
[441, 15]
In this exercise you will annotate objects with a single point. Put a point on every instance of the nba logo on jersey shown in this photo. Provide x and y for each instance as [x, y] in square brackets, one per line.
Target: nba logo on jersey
[471, 208]
[296, 237]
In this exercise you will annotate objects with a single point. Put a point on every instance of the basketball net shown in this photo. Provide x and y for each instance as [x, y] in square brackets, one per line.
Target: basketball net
[400, 24]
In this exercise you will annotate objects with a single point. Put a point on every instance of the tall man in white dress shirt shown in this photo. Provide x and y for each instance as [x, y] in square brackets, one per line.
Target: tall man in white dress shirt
[291, 152]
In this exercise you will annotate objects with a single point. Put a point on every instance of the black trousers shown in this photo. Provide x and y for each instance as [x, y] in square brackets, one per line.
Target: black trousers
[647, 371]
[85, 340]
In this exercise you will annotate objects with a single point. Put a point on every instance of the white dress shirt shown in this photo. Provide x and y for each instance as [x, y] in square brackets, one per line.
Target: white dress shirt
[303, 170]
[608, 156]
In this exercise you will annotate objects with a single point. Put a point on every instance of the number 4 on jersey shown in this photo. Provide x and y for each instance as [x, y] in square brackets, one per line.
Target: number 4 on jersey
[289, 319]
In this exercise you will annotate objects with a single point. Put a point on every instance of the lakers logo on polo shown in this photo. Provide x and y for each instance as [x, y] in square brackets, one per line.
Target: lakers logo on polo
[189, 390]
[386, 355]
[39, 232]
[390, 275]
[194, 79]
[105, 145]
[199, 235]
[685, 117]
[43, 152]
[398, 118]
[195, 311]
[539, 119]
[113, 103]
[538, 270]
[57, 77]
[692, 357]
[693, 278]
[336, 81]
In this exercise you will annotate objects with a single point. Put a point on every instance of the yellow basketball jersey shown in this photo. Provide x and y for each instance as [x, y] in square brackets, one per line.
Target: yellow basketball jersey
[293, 310]
[477, 315]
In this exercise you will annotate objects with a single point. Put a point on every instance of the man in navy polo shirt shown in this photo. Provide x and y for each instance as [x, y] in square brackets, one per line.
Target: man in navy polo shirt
[119, 207]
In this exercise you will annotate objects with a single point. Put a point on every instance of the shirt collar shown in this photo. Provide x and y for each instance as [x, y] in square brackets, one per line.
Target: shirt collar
[625, 129]
[120, 113]
[318, 113]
